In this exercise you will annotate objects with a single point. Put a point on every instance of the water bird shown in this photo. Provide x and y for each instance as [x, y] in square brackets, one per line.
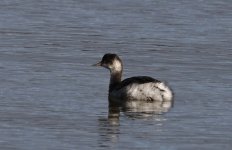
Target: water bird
[138, 88]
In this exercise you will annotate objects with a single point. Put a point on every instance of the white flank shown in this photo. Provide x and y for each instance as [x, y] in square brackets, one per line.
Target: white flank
[153, 91]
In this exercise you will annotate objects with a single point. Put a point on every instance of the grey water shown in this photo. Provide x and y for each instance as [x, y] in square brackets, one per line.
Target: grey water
[52, 98]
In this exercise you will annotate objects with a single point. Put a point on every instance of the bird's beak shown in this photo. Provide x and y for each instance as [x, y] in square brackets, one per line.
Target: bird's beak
[97, 64]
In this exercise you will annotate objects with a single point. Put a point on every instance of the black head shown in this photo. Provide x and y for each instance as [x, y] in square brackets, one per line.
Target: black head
[110, 61]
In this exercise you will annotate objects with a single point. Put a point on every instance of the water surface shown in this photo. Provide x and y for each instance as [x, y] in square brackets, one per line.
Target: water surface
[51, 97]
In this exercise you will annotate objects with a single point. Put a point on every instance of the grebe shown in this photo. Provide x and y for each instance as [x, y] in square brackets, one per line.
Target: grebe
[139, 88]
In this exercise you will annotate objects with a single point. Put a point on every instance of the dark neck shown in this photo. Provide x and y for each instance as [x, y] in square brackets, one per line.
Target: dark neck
[115, 79]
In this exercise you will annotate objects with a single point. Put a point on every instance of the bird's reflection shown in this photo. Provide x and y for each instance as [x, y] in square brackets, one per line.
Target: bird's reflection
[109, 127]
[139, 109]
[136, 109]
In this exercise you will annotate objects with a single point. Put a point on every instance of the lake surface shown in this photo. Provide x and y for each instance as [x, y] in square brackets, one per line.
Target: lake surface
[51, 98]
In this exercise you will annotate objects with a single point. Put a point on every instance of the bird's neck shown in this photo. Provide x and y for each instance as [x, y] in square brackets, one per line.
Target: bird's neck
[115, 79]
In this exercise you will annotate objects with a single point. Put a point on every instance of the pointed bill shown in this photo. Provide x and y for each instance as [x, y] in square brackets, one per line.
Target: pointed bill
[97, 64]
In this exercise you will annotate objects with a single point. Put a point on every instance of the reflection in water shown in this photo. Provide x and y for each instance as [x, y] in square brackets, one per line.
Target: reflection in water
[143, 109]
[137, 109]
[109, 127]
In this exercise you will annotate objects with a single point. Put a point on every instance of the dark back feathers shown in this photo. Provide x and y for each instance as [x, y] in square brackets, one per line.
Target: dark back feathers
[138, 80]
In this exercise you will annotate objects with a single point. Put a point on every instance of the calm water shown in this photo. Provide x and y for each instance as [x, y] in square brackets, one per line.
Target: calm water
[51, 97]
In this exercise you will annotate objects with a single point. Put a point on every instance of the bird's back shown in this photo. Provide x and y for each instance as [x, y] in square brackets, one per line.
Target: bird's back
[141, 88]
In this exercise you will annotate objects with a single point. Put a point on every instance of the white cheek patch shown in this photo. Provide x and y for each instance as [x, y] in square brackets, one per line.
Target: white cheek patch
[117, 66]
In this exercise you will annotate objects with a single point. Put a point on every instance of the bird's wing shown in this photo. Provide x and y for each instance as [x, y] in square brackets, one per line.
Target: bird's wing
[138, 80]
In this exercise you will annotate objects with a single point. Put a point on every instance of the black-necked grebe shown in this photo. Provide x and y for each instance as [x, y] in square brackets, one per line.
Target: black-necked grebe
[135, 88]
